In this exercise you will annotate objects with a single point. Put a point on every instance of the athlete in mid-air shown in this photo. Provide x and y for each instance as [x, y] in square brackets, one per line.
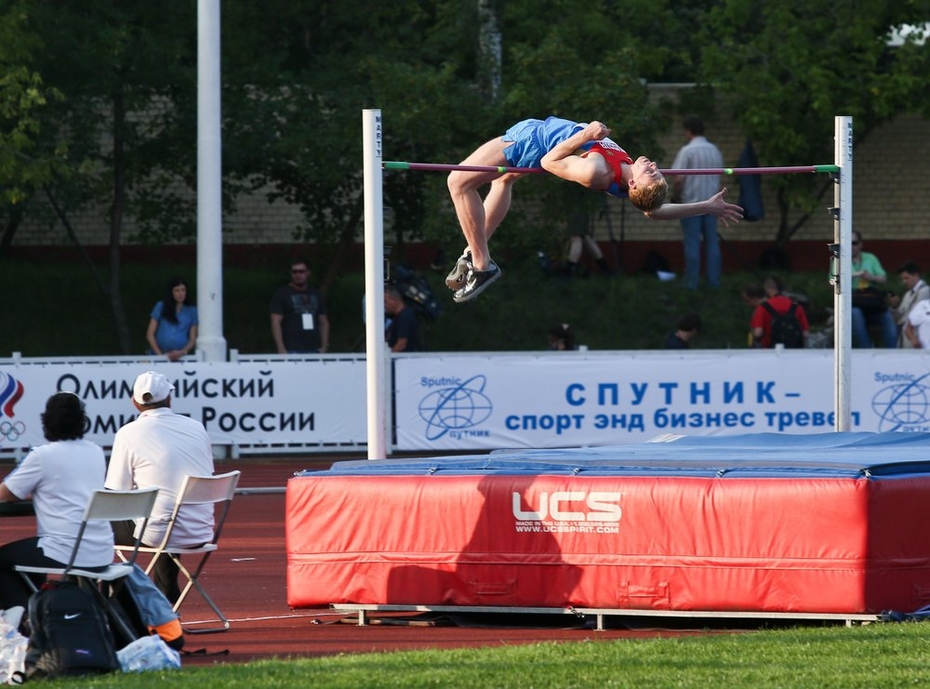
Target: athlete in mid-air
[576, 152]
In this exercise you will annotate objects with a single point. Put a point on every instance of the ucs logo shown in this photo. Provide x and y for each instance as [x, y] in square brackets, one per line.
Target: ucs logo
[571, 506]
[11, 390]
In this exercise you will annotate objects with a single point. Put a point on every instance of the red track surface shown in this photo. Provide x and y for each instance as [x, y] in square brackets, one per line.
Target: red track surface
[246, 578]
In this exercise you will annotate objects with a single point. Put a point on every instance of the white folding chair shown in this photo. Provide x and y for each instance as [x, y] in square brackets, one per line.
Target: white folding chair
[109, 506]
[196, 490]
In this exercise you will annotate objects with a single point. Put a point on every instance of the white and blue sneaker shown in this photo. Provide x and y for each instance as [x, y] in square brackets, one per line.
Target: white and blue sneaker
[476, 281]
[456, 278]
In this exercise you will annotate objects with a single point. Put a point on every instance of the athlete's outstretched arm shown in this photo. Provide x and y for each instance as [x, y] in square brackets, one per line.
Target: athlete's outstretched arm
[727, 213]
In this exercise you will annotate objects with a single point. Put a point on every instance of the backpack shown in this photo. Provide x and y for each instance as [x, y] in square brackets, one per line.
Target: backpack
[786, 328]
[69, 635]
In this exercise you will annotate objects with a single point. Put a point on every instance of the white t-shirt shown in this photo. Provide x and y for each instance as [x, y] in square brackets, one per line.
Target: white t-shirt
[919, 318]
[61, 477]
[159, 449]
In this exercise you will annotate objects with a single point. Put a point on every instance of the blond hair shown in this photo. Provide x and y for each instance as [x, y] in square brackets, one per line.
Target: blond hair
[649, 197]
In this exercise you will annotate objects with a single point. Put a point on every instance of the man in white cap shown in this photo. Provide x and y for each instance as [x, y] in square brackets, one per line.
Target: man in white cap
[159, 449]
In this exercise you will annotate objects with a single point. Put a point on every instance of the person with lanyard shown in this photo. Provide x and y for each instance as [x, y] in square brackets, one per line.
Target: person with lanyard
[299, 324]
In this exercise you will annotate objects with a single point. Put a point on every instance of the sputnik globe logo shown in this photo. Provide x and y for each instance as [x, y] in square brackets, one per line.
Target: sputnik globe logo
[455, 408]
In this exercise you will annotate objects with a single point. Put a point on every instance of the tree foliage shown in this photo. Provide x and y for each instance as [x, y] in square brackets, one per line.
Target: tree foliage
[27, 159]
[786, 68]
[98, 100]
[121, 71]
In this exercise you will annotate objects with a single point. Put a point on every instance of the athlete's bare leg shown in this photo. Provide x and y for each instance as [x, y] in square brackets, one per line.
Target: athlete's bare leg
[478, 218]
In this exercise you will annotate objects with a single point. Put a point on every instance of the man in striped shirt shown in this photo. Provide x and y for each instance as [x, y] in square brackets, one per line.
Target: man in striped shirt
[698, 153]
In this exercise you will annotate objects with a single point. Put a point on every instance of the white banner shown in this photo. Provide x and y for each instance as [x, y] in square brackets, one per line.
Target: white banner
[240, 403]
[487, 401]
[566, 399]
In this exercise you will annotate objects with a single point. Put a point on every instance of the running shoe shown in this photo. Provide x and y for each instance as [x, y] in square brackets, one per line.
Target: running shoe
[456, 279]
[476, 282]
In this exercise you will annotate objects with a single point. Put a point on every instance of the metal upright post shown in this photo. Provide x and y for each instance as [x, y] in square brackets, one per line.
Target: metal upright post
[210, 340]
[842, 299]
[375, 359]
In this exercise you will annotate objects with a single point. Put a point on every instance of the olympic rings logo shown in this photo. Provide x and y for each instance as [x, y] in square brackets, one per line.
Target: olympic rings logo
[12, 430]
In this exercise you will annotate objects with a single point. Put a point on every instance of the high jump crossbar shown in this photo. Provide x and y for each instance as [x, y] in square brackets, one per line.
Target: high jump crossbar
[447, 167]
[378, 357]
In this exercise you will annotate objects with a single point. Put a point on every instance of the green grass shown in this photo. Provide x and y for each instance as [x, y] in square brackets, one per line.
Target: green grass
[54, 308]
[876, 655]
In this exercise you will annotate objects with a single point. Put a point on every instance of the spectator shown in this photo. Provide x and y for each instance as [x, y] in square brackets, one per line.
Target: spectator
[698, 153]
[916, 290]
[402, 328]
[561, 337]
[580, 240]
[688, 328]
[869, 302]
[172, 330]
[299, 324]
[61, 477]
[752, 295]
[158, 450]
[763, 319]
[917, 330]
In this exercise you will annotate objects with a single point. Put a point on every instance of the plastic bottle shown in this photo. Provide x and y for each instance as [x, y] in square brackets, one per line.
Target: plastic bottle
[148, 653]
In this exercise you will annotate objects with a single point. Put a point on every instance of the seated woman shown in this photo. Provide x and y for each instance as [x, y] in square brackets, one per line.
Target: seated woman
[172, 329]
[61, 477]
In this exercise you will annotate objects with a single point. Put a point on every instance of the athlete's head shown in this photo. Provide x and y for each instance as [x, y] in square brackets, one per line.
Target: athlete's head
[647, 186]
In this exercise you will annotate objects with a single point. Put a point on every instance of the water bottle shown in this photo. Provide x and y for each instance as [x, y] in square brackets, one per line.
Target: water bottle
[148, 653]
[12, 647]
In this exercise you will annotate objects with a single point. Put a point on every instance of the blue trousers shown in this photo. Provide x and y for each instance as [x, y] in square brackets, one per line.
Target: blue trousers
[860, 329]
[694, 229]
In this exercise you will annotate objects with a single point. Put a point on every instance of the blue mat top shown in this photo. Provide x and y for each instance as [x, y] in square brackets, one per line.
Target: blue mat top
[757, 455]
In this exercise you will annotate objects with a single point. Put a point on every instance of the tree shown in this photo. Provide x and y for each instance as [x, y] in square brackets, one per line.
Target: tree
[785, 68]
[125, 75]
[298, 76]
[25, 165]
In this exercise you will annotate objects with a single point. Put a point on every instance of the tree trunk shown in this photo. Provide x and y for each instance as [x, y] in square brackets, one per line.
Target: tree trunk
[116, 221]
[72, 235]
[14, 219]
[489, 42]
[346, 241]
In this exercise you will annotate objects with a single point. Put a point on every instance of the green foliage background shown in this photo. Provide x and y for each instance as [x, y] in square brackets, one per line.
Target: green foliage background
[64, 316]
[98, 104]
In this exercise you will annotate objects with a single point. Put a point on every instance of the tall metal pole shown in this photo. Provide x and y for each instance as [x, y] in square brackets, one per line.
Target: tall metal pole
[375, 346]
[210, 340]
[842, 299]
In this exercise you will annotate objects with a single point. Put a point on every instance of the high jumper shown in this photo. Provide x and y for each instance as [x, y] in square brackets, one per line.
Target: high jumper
[575, 152]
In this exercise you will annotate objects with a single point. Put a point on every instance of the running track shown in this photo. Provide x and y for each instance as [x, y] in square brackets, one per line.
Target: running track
[246, 578]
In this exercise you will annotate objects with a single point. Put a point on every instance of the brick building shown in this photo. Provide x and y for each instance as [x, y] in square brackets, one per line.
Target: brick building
[885, 208]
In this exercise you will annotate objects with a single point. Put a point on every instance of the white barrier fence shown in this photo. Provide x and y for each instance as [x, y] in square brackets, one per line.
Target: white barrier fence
[266, 404]
[481, 401]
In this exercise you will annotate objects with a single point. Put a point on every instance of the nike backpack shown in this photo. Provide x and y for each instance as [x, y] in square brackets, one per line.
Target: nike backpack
[69, 633]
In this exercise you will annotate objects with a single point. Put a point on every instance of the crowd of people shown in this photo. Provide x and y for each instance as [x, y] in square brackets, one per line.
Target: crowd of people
[300, 324]
[584, 154]
[156, 450]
